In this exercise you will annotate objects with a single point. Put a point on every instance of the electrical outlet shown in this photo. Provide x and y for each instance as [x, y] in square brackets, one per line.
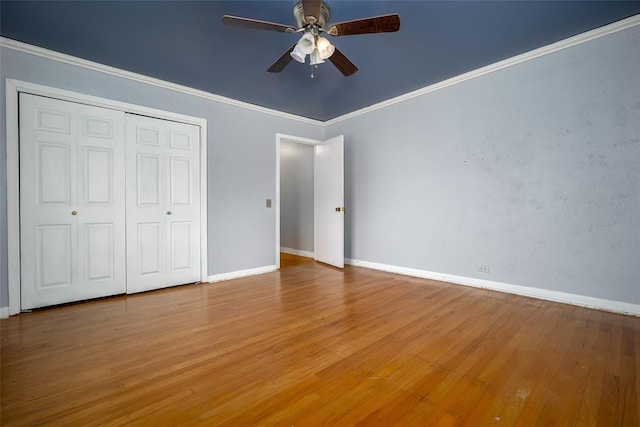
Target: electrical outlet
[484, 269]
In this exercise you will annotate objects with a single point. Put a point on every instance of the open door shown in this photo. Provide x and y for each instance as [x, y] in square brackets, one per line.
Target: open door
[329, 201]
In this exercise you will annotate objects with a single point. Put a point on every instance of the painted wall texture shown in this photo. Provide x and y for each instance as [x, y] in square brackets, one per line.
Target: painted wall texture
[241, 157]
[533, 170]
[296, 196]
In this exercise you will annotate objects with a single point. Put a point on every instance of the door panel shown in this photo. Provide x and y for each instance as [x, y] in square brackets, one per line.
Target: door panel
[52, 120]
[181, 244]
[97, 127]
[163, 203]
[148, 178]
[329, 201]
[53, 253]
[53, 172]
[71, 201]
[98, 244]
[149, 249]
[98, 176]
[180, 182]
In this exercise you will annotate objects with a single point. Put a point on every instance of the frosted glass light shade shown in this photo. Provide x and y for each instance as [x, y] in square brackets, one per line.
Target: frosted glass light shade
[298, 55]
[325, 48]
[304, 47]
[315, 58]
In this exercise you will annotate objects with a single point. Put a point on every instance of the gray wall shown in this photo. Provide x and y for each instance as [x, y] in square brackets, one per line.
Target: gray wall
[241, 157]
[533, 170]
[296, 196]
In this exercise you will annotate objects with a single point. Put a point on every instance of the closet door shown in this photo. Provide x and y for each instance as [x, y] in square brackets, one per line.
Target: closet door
[163, 203]
[72, 204]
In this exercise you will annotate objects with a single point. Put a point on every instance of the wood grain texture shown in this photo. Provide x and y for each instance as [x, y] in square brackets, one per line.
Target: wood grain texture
[314, 345]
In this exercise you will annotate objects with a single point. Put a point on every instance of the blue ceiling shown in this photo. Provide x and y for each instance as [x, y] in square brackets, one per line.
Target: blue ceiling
[184, 42]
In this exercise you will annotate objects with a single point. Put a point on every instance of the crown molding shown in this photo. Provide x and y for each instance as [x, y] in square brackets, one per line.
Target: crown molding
[95, 66]
[509, 62]
[603, 31]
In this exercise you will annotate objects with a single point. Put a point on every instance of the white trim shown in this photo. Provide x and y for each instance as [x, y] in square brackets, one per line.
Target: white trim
[67, 95]
[4, 312]
[298, 252]
[95, 66]
[284, 137]
[544, 294]
[13, 196]
[297, 139]
[13, 88]
[277, 201]
[509, 62]
[204, 202]
[241, 273]
[515, 60]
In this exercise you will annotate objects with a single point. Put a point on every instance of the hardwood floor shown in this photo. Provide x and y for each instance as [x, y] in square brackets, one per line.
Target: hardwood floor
[313, 345]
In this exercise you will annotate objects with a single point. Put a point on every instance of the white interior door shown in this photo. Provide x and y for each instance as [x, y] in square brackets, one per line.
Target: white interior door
[329, 201]
[72, 205]
[163, 203]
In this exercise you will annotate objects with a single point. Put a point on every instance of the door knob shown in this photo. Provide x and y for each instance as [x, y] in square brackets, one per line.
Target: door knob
[168, 212]
[74, 213]
[340, 209]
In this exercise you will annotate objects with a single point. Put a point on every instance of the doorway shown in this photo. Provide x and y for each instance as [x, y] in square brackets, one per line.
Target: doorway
[294, 196]
[310, 211]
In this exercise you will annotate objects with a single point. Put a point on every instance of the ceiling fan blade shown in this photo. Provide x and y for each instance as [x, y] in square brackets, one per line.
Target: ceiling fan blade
[255, 24]
[377, 24]
[311, 8]
[282, 62]
[343, 63]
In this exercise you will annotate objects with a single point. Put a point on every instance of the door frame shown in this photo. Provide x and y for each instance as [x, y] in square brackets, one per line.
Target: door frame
[299, 140]
[13, 89]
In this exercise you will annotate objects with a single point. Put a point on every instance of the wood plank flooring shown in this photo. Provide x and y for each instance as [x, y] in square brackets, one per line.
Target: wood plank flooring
[313, 345]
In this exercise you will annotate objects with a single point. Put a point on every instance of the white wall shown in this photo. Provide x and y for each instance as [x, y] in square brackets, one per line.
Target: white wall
[296, 196]
[532, 170]
[241, 156]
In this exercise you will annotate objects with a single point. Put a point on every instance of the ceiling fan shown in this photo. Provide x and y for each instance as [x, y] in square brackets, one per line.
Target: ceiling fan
[312, 17]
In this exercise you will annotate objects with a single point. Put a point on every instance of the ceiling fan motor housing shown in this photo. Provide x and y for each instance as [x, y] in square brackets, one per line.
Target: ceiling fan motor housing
[302, 21]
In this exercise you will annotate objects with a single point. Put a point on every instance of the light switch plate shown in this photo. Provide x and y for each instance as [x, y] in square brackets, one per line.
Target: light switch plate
[268, 203]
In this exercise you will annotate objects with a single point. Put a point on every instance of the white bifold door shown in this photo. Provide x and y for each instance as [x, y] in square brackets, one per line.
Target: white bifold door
[72, 203]
[163, 203]
[109, 202]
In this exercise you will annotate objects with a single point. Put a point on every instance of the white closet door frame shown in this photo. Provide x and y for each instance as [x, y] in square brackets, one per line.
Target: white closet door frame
[13, 88]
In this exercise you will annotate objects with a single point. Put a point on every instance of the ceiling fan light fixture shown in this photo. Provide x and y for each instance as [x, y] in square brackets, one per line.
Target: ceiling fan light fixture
[324, 47]
[315, 58]
[312, 17]
[298, 55]
[304, 47]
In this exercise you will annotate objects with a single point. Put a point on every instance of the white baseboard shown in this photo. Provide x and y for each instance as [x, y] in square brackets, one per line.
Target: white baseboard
[4, 312]
[241, 273]
[298, 252]
[545, 294]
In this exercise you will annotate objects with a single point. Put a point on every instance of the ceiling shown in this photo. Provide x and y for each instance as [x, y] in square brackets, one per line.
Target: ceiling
[184, 42]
